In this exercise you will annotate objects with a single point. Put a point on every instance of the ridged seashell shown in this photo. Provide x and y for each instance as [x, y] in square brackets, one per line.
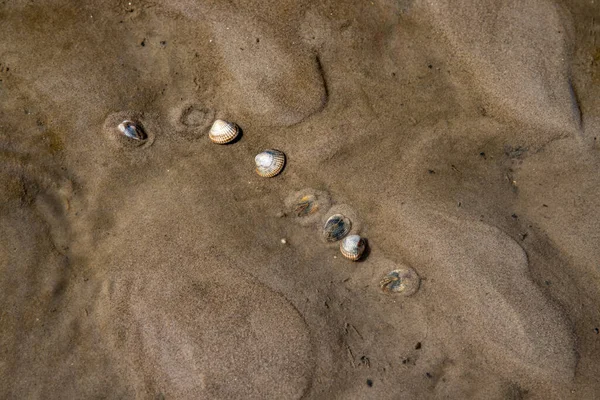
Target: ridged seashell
[307, 205]
[132, 130]
[353, 247]
[223, 132]
[336, 227]
[403, 281]
[269, 163]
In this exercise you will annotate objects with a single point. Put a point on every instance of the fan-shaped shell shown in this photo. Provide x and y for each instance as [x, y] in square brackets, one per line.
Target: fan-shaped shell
[353, 247]
[133, 130]
[402, 281]
[307, 205]
[336, 227]
[269, 163]
[223, 132]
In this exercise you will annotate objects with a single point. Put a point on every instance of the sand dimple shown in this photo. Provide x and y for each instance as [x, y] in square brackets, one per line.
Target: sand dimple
[191, 120]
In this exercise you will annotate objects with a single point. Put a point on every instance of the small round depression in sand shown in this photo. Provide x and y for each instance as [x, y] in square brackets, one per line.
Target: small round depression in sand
[191, 120]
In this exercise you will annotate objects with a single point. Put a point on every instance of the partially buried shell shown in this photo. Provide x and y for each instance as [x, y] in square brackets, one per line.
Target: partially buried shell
[353, 247]
[336, 227]
[223, 132]
[133, 130]
[307, 205]
[269, 163]
[403, 281]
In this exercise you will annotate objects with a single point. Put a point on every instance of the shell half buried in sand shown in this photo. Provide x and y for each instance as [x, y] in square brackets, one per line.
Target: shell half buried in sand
[336, 227]
[402, 281]
[306, 206]
[133, 130]
[353, 247]
[269, 163]
[223, 132]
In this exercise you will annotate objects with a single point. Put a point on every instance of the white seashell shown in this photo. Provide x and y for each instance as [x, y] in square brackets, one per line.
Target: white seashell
[223, 132]
[352, 247]
[269, 163]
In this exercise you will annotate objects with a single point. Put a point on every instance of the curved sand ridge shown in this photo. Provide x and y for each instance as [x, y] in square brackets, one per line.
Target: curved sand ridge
[186, 318]
[481, 287]
[204, 336]
[266, 74]
[517, 53]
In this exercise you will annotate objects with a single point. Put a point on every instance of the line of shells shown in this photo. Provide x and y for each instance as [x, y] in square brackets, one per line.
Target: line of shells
[337, 228]
[269, 163]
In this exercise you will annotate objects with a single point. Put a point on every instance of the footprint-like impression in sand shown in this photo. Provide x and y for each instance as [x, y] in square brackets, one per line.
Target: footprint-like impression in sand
[205, 337]
[180, 316]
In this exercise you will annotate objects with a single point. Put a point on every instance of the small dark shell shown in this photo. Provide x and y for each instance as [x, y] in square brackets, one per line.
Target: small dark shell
[336, 227]
[403, 281]
[133, 130]
[353, 247]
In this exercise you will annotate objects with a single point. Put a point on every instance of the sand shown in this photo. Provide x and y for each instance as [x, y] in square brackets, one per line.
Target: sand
[460, 138]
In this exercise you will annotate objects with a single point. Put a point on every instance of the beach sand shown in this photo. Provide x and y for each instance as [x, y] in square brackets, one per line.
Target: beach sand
[460, 139]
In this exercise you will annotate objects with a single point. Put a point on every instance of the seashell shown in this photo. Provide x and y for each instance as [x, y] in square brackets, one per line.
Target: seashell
[307, 205]
[352, 247]
[269, 163]
[403, 281]
[132, 130]
[223, 132]
[336, 227]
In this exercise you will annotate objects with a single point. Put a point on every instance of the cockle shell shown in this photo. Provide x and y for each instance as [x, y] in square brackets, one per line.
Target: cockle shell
[223, 132]
[307, 205]
[336, 227]
[402, 281]
[269, 163]
[353, 247]
[133, 130]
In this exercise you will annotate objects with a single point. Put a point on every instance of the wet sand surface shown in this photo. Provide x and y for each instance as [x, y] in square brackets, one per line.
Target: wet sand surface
[460, 139]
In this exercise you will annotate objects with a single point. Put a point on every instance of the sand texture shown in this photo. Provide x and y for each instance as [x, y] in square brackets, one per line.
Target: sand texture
[460, 139]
